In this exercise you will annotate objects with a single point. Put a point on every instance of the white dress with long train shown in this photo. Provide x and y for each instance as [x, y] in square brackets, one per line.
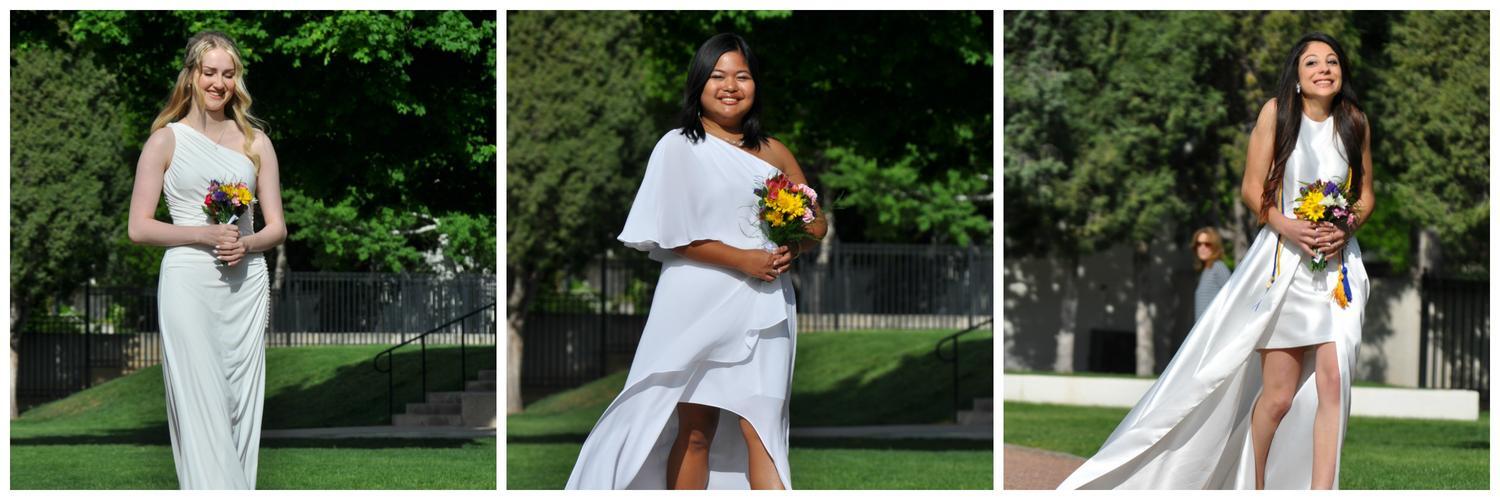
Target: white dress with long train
[714, 336]
[213, 322]
[1191, 429]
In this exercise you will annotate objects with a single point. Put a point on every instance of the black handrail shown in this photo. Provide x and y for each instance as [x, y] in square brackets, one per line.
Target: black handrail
[390, 379]
[938, 350]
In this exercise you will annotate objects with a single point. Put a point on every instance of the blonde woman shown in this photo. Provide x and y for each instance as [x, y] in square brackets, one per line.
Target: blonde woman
[212, 316]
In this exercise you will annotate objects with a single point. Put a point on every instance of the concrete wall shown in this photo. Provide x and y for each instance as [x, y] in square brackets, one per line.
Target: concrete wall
[1033, 292]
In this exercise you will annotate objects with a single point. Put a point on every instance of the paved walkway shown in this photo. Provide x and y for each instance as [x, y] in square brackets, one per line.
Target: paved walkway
[1033, 469]
[380, 431]
[942, 431]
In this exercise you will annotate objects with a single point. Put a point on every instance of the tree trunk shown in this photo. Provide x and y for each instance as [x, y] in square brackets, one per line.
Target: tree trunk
[16, 316]
[1245, 221]
[1145, 311]
[282, 266]
[1067, 332]
[515, 319]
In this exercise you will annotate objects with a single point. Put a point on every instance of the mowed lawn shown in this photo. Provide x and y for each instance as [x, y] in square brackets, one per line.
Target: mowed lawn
[1379, 453]
[114, 436]
[841, 379]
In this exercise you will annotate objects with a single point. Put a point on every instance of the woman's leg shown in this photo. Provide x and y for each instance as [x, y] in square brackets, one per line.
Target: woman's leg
[763, 475]
[687, 464]
[1280, 370]
[1329, 417]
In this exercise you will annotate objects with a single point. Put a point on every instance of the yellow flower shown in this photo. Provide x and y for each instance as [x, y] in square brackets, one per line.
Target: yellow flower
[788, 203]
[1311, 208]
[774, 218]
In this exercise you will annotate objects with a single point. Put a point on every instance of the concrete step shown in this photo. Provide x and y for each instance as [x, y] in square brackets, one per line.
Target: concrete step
[971, 417]
[479, 409]
[984, 404]
[406, 420]
[479, 386]
[487, 375]
[434, 408]
[453, 397]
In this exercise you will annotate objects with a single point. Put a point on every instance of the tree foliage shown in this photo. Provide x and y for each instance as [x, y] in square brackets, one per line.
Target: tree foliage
[1119, 124]
[383, 121]
[67, 143]
[891, 115]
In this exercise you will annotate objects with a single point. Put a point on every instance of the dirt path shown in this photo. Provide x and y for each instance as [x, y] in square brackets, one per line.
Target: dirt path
[1033, 469]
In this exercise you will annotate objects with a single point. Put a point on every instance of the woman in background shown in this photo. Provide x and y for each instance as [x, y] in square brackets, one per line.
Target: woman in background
[1208, 248]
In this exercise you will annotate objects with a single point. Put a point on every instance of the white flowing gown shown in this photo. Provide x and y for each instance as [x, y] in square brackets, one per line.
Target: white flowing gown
[213, 322]
[1191, 429]
[714, 336]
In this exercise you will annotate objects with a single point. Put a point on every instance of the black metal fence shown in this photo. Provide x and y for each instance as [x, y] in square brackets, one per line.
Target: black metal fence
[592, 325]
[1455, 336]
[103, 333]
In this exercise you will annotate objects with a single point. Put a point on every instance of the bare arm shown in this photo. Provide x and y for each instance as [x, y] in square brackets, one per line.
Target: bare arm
[1258, 160]
[784, 160]
[268, 192]
[1334, 237]
[758, 264]
[150, 172]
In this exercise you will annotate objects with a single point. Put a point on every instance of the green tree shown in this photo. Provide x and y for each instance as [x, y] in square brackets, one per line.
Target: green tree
[577, 135]
[1435, 157]
[889, 115]
[67, 142]
[383, 121]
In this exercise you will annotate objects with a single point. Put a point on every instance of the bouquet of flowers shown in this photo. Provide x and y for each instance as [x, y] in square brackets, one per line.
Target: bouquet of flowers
[1319, 201]
[786, 208]
[225, 202]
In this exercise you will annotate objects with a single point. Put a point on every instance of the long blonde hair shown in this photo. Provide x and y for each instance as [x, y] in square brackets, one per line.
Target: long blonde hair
[184, 94]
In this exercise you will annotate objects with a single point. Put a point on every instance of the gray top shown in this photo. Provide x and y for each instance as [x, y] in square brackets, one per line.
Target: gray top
[1209, 283]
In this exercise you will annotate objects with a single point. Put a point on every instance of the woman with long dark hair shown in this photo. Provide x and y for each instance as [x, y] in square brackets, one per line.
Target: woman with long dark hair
[705, 404]
[1258, 395]
[212, 293]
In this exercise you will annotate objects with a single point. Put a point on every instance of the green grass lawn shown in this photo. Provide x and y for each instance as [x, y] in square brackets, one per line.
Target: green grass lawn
[114, 436]
[841, 378]
[1379, 453]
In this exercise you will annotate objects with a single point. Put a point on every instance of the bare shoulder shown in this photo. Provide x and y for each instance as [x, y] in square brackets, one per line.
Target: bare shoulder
[780, 156]
[262, 141]
[1267, 112]
[161, 141]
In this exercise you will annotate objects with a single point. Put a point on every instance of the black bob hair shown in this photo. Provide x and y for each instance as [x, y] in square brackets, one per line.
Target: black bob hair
[698, 72]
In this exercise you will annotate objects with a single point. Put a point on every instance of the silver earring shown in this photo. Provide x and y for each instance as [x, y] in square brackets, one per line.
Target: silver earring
[1299, 88]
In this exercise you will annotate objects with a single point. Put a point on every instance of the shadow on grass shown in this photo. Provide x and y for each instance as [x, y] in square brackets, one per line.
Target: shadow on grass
[911, 444]
[919, 390]
[357, 395]
[354, 395]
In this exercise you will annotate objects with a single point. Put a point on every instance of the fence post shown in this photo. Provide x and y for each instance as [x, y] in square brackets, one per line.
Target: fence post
[603, 313]
[88, 336]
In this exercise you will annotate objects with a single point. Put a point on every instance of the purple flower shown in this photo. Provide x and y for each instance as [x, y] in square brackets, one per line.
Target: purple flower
[1329, 188]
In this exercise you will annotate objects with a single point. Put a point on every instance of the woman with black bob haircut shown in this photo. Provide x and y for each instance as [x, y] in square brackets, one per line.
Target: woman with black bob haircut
[705, 404]
[1258, 394]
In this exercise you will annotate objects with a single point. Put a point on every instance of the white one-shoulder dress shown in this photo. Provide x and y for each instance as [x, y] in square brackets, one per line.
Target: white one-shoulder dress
[213, 321]
[714, 336]
[1191, 429]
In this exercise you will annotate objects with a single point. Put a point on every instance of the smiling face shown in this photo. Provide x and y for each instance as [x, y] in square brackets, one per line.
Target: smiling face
[215, 79]
[730, 90]
[1319, 71]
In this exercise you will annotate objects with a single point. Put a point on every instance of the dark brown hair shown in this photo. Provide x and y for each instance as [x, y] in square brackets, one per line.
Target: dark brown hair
[1348, 120]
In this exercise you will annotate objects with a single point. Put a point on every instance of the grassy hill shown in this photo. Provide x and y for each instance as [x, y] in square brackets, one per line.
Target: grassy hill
[315, 386]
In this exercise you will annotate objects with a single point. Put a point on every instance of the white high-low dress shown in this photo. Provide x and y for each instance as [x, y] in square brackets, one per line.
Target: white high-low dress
[714, 336]
[213, 322]
[1191, 429]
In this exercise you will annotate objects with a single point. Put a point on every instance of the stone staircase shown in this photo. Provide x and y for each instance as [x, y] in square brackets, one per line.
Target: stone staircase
[982, 414]
[474, 407]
